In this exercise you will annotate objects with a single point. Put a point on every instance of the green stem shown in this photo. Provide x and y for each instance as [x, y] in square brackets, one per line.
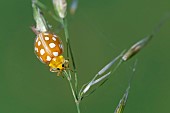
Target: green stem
[73, 92]
[78, 107]
[76, 83]
[64, 22]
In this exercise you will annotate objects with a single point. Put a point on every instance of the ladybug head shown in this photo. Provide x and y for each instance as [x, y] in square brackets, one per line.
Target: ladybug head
[58, 64]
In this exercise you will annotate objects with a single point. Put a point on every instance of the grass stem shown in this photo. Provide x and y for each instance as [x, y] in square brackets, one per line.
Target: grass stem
[64, 23]
[77, 102]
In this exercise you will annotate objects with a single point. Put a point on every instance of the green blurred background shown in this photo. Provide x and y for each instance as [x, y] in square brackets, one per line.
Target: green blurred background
[99, 31]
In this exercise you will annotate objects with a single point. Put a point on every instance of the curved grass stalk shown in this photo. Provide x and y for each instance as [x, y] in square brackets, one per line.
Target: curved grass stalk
[69, 51]
[72, 90]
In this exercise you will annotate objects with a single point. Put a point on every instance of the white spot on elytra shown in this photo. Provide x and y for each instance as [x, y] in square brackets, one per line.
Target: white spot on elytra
[42, 51]
[39, 43]
[52, 45]
[54, 38]
[41, 59]
[46, 34]
[36, 49]
[36, 39]
[48, 58]
[47, 38]
[55, 53]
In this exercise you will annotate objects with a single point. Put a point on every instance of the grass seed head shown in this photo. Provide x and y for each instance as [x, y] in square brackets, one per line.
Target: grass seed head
[60, 6]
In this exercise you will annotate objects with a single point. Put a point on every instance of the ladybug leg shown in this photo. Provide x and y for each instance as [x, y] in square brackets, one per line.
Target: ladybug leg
[58, 73]
[63, 76]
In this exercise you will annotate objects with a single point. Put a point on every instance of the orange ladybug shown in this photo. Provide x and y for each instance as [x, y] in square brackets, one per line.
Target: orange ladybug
[48, 48]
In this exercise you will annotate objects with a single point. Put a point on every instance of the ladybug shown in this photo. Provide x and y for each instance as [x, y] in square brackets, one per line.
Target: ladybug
[48, 49]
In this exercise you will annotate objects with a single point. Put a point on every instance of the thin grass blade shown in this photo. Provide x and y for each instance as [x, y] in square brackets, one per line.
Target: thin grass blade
[95, 82]
[101, 78]
[109, 65]
[101, 72]
[94, 89]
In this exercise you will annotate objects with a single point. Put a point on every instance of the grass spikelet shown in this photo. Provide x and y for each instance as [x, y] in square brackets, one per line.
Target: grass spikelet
[122, 102]
[60, 6]
[40, 21]
[142, 43]
[136, 48]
